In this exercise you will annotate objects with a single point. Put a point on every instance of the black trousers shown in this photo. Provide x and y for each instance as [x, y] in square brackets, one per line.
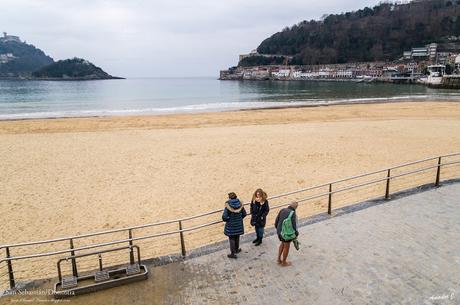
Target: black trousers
[234, 243]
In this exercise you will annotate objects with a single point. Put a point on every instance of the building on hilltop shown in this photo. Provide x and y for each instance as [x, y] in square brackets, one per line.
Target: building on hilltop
[252, 53]
[7, 38]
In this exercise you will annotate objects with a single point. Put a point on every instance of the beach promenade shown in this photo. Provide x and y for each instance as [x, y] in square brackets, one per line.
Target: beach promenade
[403, 251]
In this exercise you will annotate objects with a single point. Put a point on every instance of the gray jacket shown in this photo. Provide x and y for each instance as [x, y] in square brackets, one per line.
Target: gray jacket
[282, 215]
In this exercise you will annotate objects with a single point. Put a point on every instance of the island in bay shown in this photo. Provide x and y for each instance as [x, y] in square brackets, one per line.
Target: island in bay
[20, 60]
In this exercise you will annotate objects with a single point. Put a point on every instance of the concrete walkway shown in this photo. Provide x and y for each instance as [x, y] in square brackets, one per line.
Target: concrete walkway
[404, 251]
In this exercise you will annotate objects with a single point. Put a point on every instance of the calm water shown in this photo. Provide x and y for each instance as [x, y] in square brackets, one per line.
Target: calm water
[37, 99]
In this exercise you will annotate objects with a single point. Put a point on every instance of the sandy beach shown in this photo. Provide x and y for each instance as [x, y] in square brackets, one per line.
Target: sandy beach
[69, 176]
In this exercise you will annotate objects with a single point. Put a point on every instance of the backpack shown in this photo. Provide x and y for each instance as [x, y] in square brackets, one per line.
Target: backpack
[287, 231]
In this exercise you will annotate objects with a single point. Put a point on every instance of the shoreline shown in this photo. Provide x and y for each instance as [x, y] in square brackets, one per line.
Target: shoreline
[287, 105]
[370, 101]
[286, 114]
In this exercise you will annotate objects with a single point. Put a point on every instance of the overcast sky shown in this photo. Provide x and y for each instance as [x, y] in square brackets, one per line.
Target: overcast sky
[171, 38]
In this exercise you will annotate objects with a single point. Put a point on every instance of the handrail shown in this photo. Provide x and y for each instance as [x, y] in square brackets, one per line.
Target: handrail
[220, 221]
[219, 210]
[8, 259]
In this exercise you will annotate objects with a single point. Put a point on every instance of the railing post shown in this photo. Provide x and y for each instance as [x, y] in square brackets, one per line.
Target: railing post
[138, 255]
[131, 254]
[100, 261]
[59, 271]
[329, 204]
[438, 172]
[10, 269]
[182, 242]
[74, 262]
[387, 191]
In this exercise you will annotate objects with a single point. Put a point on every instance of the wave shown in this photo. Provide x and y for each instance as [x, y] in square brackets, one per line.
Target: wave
[210, 107]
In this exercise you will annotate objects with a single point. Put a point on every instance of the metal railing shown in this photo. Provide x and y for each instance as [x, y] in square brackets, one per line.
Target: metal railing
[73, 258]
[327, 191]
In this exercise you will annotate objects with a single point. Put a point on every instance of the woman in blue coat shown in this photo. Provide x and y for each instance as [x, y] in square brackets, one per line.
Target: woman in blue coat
[233, 215]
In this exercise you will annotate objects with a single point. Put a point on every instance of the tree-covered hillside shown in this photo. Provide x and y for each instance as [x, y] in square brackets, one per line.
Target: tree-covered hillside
[24, 61]
[370, 34]
[76, 68]
[27, 58]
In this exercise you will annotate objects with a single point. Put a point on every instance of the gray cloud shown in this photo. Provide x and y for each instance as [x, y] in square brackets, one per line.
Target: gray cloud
[158, 38]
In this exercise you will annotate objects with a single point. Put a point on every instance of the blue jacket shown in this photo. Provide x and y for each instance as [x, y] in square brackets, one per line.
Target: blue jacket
[233, 215]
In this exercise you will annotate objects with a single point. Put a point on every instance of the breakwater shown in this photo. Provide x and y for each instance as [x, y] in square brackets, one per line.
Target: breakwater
[449, 82]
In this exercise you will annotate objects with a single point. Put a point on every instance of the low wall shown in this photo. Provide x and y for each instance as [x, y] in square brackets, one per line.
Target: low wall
[451, 82]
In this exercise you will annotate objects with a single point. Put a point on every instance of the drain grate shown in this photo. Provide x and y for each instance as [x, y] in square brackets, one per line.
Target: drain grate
[69, 282]
[101, 276]
[133, 269]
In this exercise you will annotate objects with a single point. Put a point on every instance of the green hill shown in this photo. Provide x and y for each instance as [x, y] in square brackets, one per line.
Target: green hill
[25, 59]
[75, 68]
[370, 34]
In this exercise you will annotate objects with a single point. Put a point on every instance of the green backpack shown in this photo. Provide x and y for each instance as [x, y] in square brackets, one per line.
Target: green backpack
[287, 231]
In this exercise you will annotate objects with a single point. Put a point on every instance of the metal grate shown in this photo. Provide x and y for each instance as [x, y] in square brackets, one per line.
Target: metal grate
[69, 282]
[101, 276]
[133, 269]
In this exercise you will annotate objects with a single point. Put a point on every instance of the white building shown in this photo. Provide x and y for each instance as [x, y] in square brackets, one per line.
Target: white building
[299, 75]
[7, 38]
[457, 63]
[4, 58]
[325, 73]
[407, 55]
[429, 51]
[344, 74]
[432, 49]
[282, 73]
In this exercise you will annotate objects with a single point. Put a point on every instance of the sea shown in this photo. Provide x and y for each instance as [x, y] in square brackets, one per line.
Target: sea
[22, 99]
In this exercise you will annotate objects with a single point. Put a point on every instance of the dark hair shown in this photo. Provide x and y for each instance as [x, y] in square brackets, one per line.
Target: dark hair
[232, 195]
